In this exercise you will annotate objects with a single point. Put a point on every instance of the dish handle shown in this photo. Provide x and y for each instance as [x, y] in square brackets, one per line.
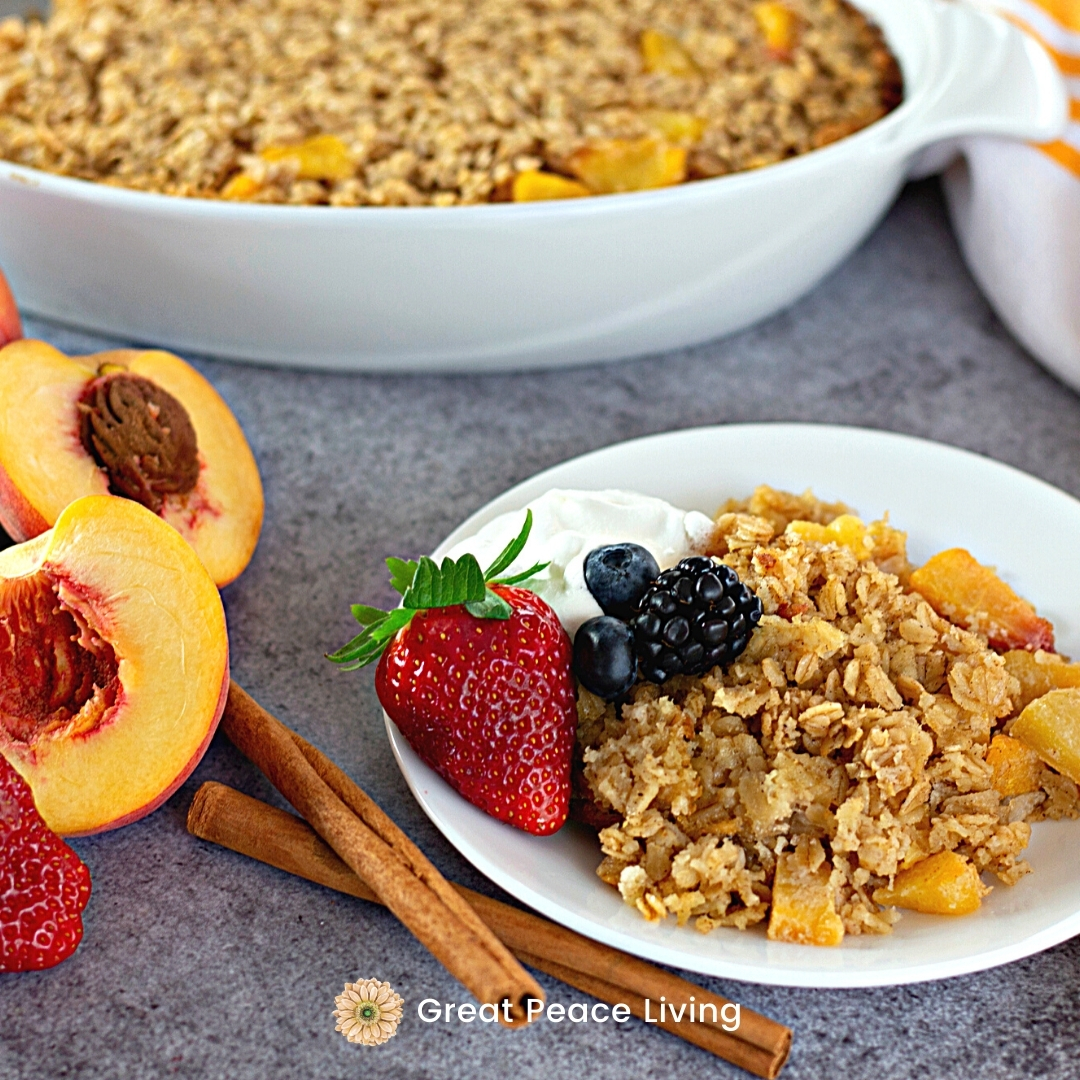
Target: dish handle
[986, 77]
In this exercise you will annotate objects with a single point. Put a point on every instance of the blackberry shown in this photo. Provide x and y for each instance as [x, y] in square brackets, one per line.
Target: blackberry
[695, 616]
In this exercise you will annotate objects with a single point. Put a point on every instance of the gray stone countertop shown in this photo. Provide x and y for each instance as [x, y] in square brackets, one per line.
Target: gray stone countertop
[199, 963]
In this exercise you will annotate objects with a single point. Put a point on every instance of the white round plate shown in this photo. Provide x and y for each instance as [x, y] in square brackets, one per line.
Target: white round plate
[942, 497]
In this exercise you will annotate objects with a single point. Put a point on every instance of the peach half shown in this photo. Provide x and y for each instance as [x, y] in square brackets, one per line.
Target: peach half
[114, 663]
[145, 425]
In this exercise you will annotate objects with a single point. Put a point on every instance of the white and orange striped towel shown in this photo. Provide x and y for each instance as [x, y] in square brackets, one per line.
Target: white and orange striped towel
[1016, 208]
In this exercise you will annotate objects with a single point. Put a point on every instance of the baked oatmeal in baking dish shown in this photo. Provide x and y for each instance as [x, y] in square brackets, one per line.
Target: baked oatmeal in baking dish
[432, 102]
[881, 739]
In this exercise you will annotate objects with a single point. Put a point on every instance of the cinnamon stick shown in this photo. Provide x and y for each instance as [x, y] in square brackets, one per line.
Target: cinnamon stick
[252, 828]
[379, 853]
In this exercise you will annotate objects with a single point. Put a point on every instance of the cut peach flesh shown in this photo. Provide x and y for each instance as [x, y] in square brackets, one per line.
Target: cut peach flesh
[778, 25]
[535, 186]
[677, 127]
[1038, 673]
[44, 466]
[972, 595]
[1017, 769]
[942, 884]
[240, 187]
[1050, 725]
[845, 530]
[43, 462]
[322, 157]
[803, 907]
[135, 584]
[628, 165]
[665, 54]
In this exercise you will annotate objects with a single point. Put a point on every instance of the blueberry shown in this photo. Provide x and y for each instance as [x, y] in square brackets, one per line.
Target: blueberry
[618, 575]
[604, 660]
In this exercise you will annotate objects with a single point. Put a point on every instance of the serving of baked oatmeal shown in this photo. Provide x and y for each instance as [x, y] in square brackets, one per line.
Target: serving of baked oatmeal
[432, 102]
[857, 757]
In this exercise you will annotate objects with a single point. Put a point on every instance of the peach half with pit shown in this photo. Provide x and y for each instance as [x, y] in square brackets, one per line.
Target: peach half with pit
[140, 424]
[114, 663]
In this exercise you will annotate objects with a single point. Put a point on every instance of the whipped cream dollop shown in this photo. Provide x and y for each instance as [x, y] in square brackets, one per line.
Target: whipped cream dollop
[568, 524]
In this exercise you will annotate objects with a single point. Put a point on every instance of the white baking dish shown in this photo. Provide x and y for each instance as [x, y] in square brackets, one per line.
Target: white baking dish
[503, 286]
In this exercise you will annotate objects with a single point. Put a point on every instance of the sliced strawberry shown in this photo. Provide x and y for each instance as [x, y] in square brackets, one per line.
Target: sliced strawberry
[489, 705]
[44, 885]
[476, 674]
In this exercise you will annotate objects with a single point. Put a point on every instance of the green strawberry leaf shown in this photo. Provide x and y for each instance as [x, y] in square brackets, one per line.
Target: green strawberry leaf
[441, 586]
[367, 645]
[351, 658]
[365, 615]
[395, 621]
[356, 648]
[515, 579]
[401, 573]
[425, 585]
[512, 550]
[492, 606]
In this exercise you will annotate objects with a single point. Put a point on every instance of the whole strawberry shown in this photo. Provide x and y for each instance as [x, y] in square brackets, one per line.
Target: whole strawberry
[44, 886]
[476, 674]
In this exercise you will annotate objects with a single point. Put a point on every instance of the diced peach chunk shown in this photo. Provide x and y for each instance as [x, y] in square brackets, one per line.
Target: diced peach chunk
[1038, 673]
[779, 26]
[972, 595]
[240, 187]
[322, 157]
[662, 53]
[1050, 725]
[678, 128]
[1017, 769]
[943, 884]
[803, 901]
[536, 186]
[616, 165]
[875, 540]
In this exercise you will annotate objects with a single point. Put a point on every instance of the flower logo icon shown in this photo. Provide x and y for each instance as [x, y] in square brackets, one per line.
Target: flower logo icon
[368, 1012]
